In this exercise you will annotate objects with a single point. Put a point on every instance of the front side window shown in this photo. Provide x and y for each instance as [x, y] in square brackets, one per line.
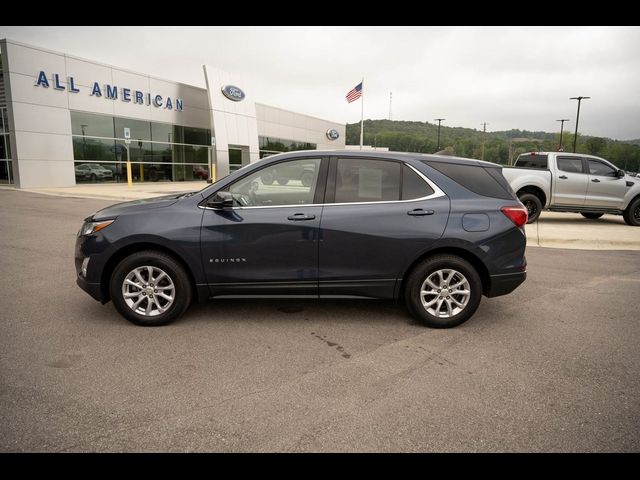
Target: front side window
[286, 183]
[367, 180]
[570, 164]
[599, 168]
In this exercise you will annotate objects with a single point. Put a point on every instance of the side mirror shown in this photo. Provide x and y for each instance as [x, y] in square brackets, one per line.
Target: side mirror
[221, 200]
[621, 174]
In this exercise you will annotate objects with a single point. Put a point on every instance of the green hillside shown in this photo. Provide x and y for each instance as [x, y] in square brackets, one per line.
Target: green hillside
[500, 147]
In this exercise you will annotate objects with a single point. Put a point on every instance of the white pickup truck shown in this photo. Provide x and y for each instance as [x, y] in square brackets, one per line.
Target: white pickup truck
[572, 182]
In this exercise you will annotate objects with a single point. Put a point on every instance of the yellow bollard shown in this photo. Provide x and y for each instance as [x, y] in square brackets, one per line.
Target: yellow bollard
[213, 173]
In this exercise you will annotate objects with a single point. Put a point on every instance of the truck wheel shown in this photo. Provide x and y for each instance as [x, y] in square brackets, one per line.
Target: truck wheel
[591, 215]
[632, 213]
[533, 205]
[150, 288]
[443, 291]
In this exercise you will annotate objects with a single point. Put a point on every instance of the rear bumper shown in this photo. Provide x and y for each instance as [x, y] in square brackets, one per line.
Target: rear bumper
[505, 283]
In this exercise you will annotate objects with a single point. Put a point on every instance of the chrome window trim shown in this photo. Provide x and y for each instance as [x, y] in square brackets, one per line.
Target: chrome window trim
[437, 193]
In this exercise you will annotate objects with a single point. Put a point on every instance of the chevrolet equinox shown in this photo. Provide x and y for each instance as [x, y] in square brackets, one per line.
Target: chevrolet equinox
[437, 232]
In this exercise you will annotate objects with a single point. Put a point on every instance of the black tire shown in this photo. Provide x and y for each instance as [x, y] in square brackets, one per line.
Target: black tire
[430, 266]
[632, 213]
[533, 206]
[175, 271]
[267, 179]
[591, 215]
[283, 181]
[306, 179]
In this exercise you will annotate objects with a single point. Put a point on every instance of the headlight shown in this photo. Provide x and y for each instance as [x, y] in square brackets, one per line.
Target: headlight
[92, 227]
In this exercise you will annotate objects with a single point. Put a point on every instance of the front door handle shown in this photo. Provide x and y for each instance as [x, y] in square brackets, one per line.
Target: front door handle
[300, 216]
[595, 180]
[419, 212]
[563, 177]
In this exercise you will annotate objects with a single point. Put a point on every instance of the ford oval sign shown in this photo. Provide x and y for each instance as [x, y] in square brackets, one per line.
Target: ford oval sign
[332, 134]
[233, 93]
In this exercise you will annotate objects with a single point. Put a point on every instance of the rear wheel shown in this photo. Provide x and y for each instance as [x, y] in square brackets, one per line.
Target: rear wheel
[533, 205]
[150, 288]
[591, 215]
[632, 213]
[443, 291]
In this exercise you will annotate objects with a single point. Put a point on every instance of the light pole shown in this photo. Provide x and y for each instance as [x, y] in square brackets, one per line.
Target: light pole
[439, 121]
[484, 134]
[575, 137]
[562, 120]
[84, 142]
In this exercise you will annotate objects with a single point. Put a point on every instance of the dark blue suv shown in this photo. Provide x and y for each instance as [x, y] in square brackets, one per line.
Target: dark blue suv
[438, 232]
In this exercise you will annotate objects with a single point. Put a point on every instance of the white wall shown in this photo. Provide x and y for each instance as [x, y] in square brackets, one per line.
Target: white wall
[279, 123]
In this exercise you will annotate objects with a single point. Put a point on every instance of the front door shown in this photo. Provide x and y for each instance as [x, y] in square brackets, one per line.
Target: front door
[570, 183]
[379, 215]
[605, 189]
[268, 242]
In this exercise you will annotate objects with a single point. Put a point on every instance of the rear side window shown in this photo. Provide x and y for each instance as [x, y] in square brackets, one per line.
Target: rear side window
[570, 164]
[474, 178]
[533, 161]
[367, 180]
[413, 186]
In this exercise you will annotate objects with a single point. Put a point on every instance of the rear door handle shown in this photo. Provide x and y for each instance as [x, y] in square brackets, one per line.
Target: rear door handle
[300, 216]
[419, 212]
[595, 180]
[563, 177]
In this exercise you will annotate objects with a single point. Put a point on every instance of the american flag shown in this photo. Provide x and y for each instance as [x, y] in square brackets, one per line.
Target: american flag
[355, 94]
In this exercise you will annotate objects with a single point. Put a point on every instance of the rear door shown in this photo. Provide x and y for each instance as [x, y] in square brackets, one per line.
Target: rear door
[378, 215]
[570, 182]
[605, 188]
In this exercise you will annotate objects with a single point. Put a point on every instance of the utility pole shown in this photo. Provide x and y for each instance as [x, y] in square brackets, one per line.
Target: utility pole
[439, 120]
[484, 134]
[575, 137]
[562, 120]
[390, 101]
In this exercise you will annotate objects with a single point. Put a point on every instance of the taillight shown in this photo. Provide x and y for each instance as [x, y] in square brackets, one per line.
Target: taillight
[517, 215]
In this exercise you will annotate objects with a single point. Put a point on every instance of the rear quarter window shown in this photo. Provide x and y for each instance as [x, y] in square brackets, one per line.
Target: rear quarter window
[480, 180]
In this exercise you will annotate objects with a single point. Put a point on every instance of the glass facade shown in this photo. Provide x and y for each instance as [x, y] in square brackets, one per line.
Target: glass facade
[271, 146]
[158, 151]
[6, 166]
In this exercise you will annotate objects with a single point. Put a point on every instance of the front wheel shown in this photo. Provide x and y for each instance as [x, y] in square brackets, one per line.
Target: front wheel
[591, 215]
[533, 205]
[150, 288]
[443, 291]
[632, 213]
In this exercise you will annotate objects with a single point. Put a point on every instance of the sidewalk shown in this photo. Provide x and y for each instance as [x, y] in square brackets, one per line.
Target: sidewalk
[555, 230]
[120, 191]
[572, 230]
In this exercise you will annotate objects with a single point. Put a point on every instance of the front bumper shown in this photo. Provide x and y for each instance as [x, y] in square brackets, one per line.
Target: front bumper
[505, 283]
[93, 289]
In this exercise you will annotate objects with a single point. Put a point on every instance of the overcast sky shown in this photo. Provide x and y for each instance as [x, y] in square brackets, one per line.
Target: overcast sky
[510, 77]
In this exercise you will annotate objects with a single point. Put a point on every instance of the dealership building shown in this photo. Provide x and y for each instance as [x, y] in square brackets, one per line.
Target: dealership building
[67, 120]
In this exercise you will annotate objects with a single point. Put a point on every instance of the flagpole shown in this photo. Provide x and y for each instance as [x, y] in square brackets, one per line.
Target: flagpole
[362, 114]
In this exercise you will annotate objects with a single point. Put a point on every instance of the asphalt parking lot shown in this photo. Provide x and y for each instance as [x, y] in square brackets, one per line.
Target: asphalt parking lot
[553, 367]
